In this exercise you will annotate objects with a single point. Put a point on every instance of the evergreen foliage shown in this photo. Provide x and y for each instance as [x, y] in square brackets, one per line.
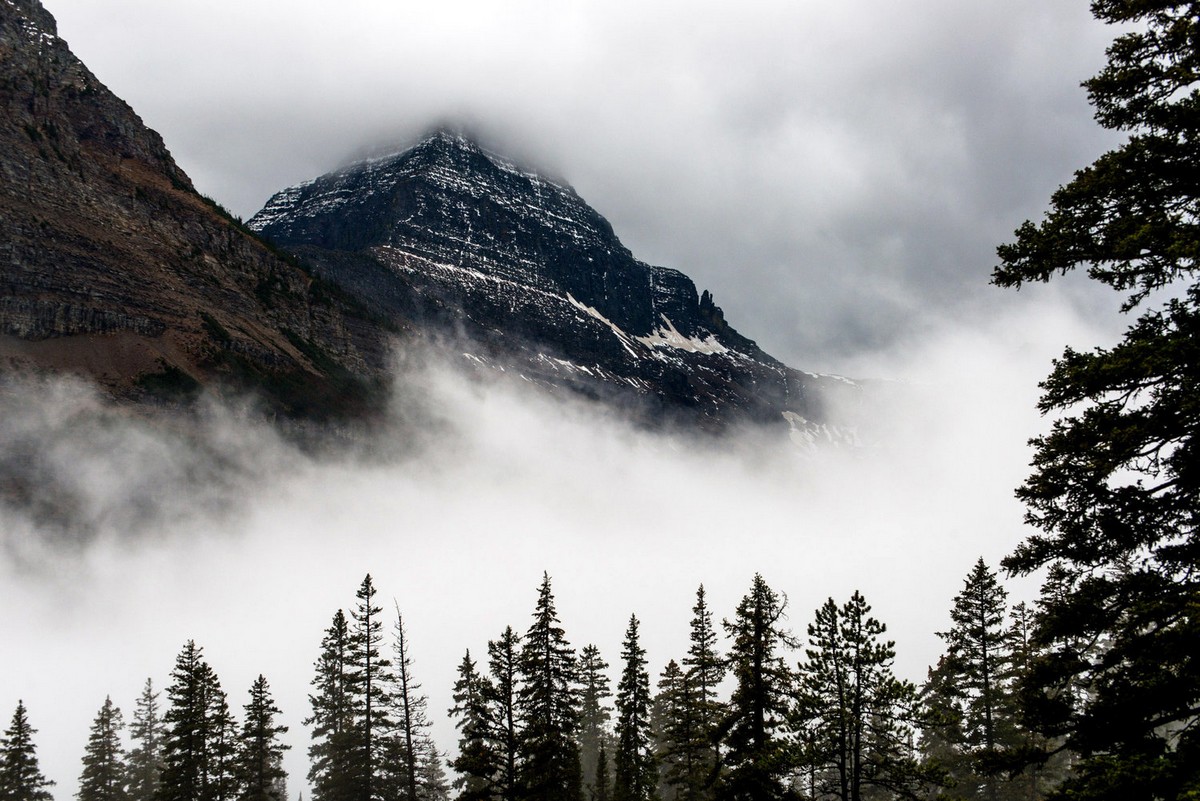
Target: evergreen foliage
[500, 694]
[674, 728]
[433, 784]
[199, 745]
[1033, 764]
[104, 773]
[634, 771]
[603, 789]
[21, 778]
[144, 763]
[412, 747]
[548, 766]
[225, 781]
[757, 759]
[1115, 489]
[855, 714]
[260, 756]
[478, 763]
[594, 714]
[333, 734]
[368, 682]
[974, 681]
[705, 670]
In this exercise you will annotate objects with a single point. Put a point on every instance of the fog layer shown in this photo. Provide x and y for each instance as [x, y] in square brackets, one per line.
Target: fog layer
[226, 534]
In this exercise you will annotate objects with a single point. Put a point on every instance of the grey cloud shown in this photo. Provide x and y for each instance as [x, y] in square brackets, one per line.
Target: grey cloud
[831, 171]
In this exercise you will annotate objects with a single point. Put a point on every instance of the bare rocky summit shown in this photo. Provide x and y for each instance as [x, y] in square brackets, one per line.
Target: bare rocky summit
[448, 234]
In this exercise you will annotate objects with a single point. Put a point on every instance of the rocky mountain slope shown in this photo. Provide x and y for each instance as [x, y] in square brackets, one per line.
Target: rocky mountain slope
[112, 265]
[449, 236]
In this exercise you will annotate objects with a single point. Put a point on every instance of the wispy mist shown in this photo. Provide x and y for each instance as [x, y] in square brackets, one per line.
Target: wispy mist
[223, 532]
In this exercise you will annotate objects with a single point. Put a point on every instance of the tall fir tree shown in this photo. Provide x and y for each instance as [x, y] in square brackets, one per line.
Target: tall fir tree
[635, 774]
[1034, 764]
[1114, 492]
[594, 713]
[21, 778]
[976, 672]
[940, 740]
[147, 734]
[410, 715]
[184, 772]
[673, 729]
[704, 671]
[757, 760]
[369, 681]
[196, 749]
[224, 779]
[333, 747]
[478, 763]
[104, 772]
[504, 667]
[433, 784]
[856, 715]
[260, 752]
[548, 767]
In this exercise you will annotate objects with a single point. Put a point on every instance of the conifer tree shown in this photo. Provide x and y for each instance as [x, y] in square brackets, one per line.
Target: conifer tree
[548, 764]
[20, 777]
[411, 716]
[504, 657]
[332, 718]
[478, 764]
[603, 789]
[704, 671]
[433, 784]
[635, 775]
[369, 683]
[104, 772]
[1114, 491]
[1035, 764]
[333, 748]
[226, 780]
[184, 772]
[975, 672]
[145, 759]
[197, 748]
[672, 730]
[594, 713]
[260, 752]
[756, 759]
[856, 713]
[940, 741]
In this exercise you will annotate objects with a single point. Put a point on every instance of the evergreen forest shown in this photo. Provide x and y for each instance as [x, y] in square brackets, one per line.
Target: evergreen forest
[752, 710]
[1090, 692]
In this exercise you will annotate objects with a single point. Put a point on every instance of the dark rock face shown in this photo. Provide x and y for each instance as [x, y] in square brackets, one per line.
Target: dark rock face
[447, 234]
[112, 265]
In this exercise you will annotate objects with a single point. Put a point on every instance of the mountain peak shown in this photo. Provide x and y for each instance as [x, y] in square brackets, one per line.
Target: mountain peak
[451, 234]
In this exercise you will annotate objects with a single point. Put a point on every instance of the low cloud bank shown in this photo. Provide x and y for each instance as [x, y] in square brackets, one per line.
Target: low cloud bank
[224, 532]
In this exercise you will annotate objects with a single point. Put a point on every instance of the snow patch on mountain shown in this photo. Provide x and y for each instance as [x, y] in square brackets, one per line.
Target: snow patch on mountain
[668, 337]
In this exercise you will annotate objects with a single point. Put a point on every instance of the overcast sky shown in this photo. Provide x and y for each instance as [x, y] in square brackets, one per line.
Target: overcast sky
[837, 173]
